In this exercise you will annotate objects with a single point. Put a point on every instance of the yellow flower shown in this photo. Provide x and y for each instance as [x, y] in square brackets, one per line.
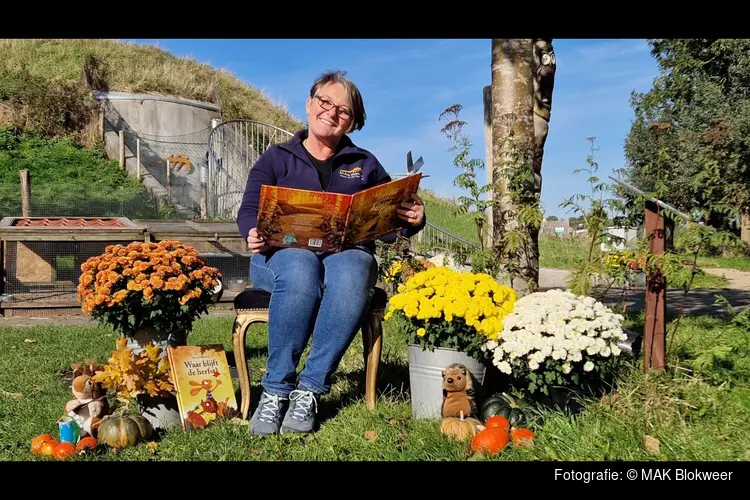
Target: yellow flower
[440, 296]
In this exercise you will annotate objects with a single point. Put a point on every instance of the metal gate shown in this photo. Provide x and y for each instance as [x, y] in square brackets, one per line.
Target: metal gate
[233, 148]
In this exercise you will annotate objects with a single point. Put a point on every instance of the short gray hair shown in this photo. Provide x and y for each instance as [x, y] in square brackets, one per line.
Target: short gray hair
[358, 107]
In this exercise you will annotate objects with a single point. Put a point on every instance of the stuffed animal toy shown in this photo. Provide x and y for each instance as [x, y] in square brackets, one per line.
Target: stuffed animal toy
[90, 404]
[458, 392]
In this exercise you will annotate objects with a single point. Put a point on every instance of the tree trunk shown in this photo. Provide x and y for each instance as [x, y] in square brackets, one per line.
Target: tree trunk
[513, 144]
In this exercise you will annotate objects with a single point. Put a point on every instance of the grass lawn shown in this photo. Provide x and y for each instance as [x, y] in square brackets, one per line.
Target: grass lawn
[694, 415]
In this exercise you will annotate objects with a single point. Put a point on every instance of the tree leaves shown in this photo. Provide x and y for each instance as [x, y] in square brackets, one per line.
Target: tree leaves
[689, 142]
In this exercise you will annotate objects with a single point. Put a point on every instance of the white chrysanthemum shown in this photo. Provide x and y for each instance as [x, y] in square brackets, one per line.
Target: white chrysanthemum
[557, 325]
[504, 367]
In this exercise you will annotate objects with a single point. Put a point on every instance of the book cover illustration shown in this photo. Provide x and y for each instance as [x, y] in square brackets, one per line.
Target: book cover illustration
[203, 384]
[373, 212]
[289, 217]
[324, 221]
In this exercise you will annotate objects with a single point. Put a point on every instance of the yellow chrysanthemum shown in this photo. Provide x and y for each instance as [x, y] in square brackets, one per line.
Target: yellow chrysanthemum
[440, 296]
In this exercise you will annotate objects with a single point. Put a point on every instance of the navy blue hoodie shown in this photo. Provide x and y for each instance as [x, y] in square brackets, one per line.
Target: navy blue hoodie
[288, 165]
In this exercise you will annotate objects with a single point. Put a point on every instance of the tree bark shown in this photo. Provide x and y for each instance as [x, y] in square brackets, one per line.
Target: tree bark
[513, 145]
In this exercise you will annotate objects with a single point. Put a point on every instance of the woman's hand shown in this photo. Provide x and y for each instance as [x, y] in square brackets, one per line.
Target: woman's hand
[255, 242]
[412, 212]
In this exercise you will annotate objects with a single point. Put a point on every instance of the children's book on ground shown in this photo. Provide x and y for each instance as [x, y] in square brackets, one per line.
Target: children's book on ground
[324, 221]
[201, 378]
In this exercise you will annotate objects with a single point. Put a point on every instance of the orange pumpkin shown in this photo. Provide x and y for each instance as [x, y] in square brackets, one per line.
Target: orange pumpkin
[64, 450]
[522, 436]
[498, 421]
[38, 442]
[87, 443]
[491, 440]
[48, 447]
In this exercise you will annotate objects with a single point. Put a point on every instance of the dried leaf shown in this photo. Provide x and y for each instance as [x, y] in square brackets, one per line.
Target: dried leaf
[16, 395]
[401, 440]
[255, 451]
[651, 444]
[396, 421]
[152, 447]
[371, 435]
[30, 341]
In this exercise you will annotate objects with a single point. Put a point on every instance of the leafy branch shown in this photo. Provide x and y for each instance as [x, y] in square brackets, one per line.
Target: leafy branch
[467, 179]
[594, 210]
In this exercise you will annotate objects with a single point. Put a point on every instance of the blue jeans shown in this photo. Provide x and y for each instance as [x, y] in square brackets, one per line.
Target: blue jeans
[312, 293]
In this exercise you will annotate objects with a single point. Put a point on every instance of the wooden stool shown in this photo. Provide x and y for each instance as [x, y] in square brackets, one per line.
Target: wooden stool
[251, 306]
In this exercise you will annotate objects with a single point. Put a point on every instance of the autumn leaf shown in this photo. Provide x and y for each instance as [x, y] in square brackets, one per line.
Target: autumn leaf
[152, 352]
[371, 435]
[130, 375]
[651, 444]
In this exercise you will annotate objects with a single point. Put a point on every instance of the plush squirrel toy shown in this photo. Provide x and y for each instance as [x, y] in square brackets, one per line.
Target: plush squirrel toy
[458, 392]
[90, 404]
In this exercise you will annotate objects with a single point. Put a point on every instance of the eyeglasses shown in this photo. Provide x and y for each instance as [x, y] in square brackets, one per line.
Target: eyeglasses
[327, 105]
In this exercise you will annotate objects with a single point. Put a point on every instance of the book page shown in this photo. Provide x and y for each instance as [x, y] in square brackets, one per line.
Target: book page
[299, 218]
[374, 210]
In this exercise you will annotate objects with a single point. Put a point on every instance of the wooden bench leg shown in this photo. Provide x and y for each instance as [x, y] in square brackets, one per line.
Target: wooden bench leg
[242, 322]
[372, 338]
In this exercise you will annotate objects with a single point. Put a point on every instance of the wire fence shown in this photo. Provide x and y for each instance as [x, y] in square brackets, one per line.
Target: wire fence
[61, 200]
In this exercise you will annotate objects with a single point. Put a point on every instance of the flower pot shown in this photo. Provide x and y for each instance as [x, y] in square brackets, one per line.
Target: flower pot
[426, 377]
[138, 340]
[161, 412]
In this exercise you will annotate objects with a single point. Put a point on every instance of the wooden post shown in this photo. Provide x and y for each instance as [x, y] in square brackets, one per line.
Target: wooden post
[122, 149]
[101, 123]
[489, 166]
[655, 327]
[25, 193]
[169, 184]
[138, 156]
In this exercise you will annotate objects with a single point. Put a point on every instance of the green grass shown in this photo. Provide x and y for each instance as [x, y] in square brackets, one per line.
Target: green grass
[739, 263]
[67, 179]
[442, 212]
[694, 415]
[562, 253]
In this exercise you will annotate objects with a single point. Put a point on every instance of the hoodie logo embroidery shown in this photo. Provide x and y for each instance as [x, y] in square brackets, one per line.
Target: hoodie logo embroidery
[353, 173]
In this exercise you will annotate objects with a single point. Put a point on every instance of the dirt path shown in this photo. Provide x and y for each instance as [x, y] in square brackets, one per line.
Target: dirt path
[738, 280]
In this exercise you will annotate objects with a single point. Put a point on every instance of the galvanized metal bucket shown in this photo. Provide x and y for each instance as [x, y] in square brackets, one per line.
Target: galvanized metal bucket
[426, 378]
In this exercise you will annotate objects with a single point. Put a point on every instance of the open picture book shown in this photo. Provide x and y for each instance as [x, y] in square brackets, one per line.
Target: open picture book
[317, 220]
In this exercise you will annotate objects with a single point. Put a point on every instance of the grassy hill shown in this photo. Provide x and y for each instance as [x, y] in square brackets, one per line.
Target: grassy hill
[45, 84]
[48, 118]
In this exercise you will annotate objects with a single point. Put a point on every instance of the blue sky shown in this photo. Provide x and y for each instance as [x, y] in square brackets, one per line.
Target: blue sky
[406, 84]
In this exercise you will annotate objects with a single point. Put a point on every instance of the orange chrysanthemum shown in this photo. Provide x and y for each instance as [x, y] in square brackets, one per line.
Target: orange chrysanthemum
[127, 280]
